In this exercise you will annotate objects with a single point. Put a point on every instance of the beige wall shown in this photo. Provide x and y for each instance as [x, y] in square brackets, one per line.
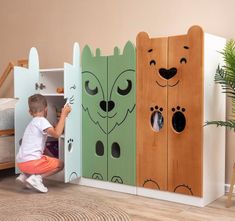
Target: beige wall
[54, 25]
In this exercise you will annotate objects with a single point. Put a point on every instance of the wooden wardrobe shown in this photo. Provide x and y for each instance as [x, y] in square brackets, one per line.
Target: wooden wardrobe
[174, 91]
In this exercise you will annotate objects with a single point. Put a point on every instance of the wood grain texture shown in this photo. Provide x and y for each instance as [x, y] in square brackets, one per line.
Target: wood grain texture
[151, 145]
[7, 132]
[6, 72]
[170, 76]
[7, 165]
[185, 148]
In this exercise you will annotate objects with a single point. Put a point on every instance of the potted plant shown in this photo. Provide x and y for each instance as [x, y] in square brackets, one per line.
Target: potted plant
[225, 76]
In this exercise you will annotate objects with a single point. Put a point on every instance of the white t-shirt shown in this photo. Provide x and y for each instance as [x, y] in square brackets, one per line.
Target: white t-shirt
[34, 139]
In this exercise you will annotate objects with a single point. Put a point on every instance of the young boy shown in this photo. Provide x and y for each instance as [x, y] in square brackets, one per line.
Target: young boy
[30, 159]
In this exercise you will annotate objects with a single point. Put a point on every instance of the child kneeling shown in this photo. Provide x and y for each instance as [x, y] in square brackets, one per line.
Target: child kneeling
[30, 159]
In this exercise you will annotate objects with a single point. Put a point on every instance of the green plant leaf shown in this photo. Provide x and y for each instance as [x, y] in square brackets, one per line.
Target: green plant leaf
[229, 124]
[225, 76]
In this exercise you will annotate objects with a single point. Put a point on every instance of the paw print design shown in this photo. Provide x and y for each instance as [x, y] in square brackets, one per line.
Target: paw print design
[157, 119]
[178, 119]
[117, 179]
[185, 188]
[97, 176]
[70, 144]
[151, 183]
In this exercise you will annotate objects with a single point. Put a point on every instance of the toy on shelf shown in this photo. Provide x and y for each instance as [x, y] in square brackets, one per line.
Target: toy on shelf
[60, 90]
[52, 146]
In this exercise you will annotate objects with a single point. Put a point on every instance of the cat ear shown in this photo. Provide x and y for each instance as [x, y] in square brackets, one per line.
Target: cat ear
[98, 52]
[86, 53]
[33, 60]
[116, 51]
[129, 49]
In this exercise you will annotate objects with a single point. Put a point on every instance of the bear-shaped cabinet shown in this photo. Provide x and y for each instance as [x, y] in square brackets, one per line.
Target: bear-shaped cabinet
[176, 94]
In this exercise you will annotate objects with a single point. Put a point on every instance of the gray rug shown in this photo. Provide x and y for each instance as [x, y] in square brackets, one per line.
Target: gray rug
[49, 207]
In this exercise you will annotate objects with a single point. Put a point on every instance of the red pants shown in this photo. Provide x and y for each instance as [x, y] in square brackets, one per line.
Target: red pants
[43, 165]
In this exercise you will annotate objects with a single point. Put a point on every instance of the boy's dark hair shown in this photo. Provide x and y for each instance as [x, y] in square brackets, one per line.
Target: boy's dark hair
[37, 103]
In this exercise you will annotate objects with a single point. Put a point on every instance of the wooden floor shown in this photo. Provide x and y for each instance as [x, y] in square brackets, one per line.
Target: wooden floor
[137, 208]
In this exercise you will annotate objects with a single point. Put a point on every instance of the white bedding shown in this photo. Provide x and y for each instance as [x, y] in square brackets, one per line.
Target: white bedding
[7, 149]
[7, 106]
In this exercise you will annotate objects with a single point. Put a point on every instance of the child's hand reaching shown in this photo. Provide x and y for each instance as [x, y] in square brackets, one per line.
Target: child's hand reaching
[58, 129]
[66, 110]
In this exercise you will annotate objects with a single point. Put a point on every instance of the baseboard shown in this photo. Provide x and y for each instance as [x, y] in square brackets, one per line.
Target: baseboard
[108, 185]
[172, 197]
[161, 195]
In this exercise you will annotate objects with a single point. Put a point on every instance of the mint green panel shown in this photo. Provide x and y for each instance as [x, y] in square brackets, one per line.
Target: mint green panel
[73, 130]
[122, 116]
[94, 115]
[24, 86]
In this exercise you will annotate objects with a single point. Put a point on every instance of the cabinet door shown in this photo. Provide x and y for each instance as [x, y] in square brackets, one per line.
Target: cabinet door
[72, 92]
[151, 95]
[24, 86]
[121, 116]
[185, 113]
[94, 122]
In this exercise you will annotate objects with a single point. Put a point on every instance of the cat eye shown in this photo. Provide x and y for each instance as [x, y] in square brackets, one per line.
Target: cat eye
[126, 90]
[183, 60]
[89, 90]
[152, 62]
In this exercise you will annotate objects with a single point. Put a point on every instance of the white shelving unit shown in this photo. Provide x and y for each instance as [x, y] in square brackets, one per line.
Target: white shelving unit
[47, 82]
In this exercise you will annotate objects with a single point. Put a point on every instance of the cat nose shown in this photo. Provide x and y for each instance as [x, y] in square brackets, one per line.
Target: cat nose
[167, 73]
[104, 106]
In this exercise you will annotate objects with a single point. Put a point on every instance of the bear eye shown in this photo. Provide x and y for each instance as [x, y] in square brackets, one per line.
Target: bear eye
[183, 60]
[126, 90]
[89, 90]
[152, 62]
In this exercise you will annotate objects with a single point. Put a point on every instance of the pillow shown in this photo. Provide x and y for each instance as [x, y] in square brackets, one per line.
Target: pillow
[7, 106]
[6, 103]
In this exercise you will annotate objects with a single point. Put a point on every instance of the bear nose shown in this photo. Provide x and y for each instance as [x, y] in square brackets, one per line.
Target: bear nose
[103, 105]
[167, 73]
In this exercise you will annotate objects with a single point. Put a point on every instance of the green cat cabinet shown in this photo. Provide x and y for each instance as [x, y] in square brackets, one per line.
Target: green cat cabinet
[178, 159]
[32, 80]
[108, 124]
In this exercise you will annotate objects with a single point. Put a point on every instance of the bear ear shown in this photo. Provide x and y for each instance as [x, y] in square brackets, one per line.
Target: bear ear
[196, 31]
[142, 36]
[129, 49]
[195, 37]
[86, 53]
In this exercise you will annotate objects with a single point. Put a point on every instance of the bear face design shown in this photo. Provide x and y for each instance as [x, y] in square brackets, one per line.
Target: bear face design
[154, 54]
[170, 76]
